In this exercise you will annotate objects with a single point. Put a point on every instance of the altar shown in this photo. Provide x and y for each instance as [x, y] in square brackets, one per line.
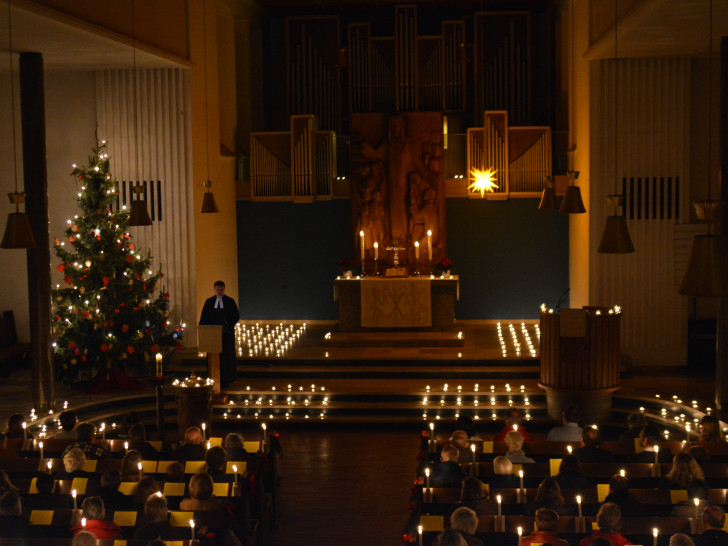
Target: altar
[414, 303]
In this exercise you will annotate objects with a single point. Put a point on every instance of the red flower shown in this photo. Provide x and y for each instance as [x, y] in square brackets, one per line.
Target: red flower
[85, 313]
[131, 246]
[130, 350]
[71, 238]
[104, 347]
[77, 351]
[106, 281]
[125, 328]
[71, 344]
[61, 267]
[67, 279]
[130, 258]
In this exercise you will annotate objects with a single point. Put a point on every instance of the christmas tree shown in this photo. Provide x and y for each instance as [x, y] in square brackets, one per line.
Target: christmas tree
[109, 315]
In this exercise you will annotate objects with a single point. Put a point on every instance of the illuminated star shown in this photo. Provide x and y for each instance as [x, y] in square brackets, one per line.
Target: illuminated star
[483, 181]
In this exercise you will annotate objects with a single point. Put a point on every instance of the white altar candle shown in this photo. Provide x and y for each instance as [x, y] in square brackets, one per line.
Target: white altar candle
[429, 243]
[361, 245]
[376, 250]
[417, 250]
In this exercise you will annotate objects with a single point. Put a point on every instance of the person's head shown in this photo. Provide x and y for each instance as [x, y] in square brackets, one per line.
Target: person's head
[137, 433]
[464, 520]
[549, 492]
[93, 508]
[111, 479]
[74, 460]
[618, 483]
[650, 436]
[514, 441]
[175, 472]
[219, 287]
[451, 537]
[713, 517]
[130, 471]
[5, 483]
[685, 470]
[67, 420]
[710, 429]
[570, 465]
[636, 420]
[460, 438]
[681, 539]
[502, 465]
[10, 504]
[513, 417]
[450, 453]
[571, 414]
[472, 490]
[15, 423]
[44, 483]
[201, 486]
[155, 508]
[84, 538]
[609, 518]
[215, 458]
[590, 436]
[147, 486]
[85, 432]
[193, 435]
[546, 520]
[233, 440]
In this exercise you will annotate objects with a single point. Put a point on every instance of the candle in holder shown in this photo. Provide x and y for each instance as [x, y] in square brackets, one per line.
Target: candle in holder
[654, 536]
[473, 464]
[25, 430]
[657, 454]
[40, 445]
[204, 428]
[417, 250]
[578, 503]
[520, 475]
[427, 477]
[75, 503]
[696, 501]
[499, 500]
[192, 529]
[376, 250]
[361, 246]
[429, 243]
[159, 364]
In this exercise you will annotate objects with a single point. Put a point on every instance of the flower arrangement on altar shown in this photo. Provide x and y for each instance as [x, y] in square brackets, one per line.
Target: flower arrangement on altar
[445, 266]
[346, 266]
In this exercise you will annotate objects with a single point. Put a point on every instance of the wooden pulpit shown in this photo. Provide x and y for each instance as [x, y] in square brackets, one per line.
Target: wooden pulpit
[209, 340]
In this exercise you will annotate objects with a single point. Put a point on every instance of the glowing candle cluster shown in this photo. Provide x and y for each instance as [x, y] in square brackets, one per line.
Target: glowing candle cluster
[279, 402]
[193, 381]
[264, 341]
[518, 340]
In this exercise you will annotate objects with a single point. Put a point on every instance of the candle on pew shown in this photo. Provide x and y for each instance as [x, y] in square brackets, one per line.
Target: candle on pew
[192, 529]
[429, 243]
[419, 535]
[520, 475]
[376, 250]
[427, 477]
[654, 536]
[578, 503]
[696, 501]
[49, 464]
[622, 472]
[75, 503]
[204, 427]
[40, 445]
[417, 250]
[83, 523]
[473, 464]
[235, 472]
[139, 466]
[499, 499]
[126, 446]
[25, 430]
[657, 454]
[361, 246]
[103, 431]
[520, 534]
[568, 448]
[264, 427]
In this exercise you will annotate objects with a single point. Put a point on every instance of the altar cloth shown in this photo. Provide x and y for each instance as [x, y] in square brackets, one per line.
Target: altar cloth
[396, 303]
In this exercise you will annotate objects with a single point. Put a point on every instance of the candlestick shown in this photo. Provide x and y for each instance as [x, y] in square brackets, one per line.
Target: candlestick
[264, 427]
[376, 250]
[361, 245]
[417, 250]
[432, 436]
[427, 477]
[204, 427]
[474, 464]
[25, 430]
[657, 454]
[419, 535]
[654, 536]
[159, 364]
[578, 503]
[499, 499]
[520, 534]
[520, 475]
[696, 501]
[75, 504]
[235, 472]
[192, 529]
[429, 243]
[40, 445]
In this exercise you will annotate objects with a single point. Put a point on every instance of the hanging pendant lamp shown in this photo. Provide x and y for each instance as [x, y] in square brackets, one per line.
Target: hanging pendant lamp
[208, 200]
[572, 203]
[139, 215]
[616, 239]
[706, 274]
[17, 231]
[548, 197]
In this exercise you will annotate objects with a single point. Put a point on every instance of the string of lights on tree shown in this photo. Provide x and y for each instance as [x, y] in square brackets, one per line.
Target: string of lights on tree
[110, 313]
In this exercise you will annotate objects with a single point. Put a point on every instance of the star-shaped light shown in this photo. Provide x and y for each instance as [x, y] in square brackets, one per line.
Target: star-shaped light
[483, 181]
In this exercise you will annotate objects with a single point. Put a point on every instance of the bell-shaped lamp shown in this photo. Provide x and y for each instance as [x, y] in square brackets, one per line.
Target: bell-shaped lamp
[139, 215]
[572, 203]
[707, 272]
[548, 197]
[17, 231]
[208, 200]
[616, 239]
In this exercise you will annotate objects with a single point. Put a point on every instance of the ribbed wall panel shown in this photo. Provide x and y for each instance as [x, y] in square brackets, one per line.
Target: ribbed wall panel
[158, 148]
[652, 136]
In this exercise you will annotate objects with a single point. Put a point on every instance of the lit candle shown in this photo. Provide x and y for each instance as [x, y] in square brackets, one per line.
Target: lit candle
[159, 364]
[578, 503]
[264, 427]
[654, 536]
[568, 448]
[376, 250]
[192, 529]
[204, 427]
[103, 431]
[49, 464]
[126, 446]
[25, 430]
[429, 243]
[235, 472]
[139, 466]
[40, 445]
[472, 448]
[499, 499]
[83, 523]
[361, 245]
[520, 475]
[419, 535]
[520, 534]
[417, 250]
[657, 454]
[208, 445]
[75, 504]
[696, 501]
[427, 477]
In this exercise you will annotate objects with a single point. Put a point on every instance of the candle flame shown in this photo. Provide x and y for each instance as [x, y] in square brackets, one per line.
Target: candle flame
[483, 181]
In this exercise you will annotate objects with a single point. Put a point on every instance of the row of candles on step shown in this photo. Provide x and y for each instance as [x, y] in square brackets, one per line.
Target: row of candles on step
[516, 342]
[264, 341]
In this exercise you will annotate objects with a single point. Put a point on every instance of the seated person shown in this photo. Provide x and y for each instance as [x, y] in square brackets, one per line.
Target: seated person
[513, 420]
[73, 461]
[15, 427]
[503, 477]
[192, 448]
[234, 450]
[515, 453]
[591, 450]
[201, 496]
[175, 472]
[681, 539]
[109, 491]
[157, 523]
[609, 520]
[650, 439]
[710, 430]
[474, 495]
[459, 439]
[12, 522]
[465, 521]
[571, 477]
[215, 465]
[46, 499]
[712, 520]
[448, 473]
[686, 509]
[147, 486]
[130, 471]
[545, 523]
[685, 470]
[569, 431]
[84, 538]
[138, 441]
[449, 537]
[86, 441]
[95, 513]
[636, 421]
[619, 494]
[549, 496]
[68, 420]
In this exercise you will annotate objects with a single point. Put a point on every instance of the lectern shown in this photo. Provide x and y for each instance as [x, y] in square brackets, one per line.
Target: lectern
[209, 340]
